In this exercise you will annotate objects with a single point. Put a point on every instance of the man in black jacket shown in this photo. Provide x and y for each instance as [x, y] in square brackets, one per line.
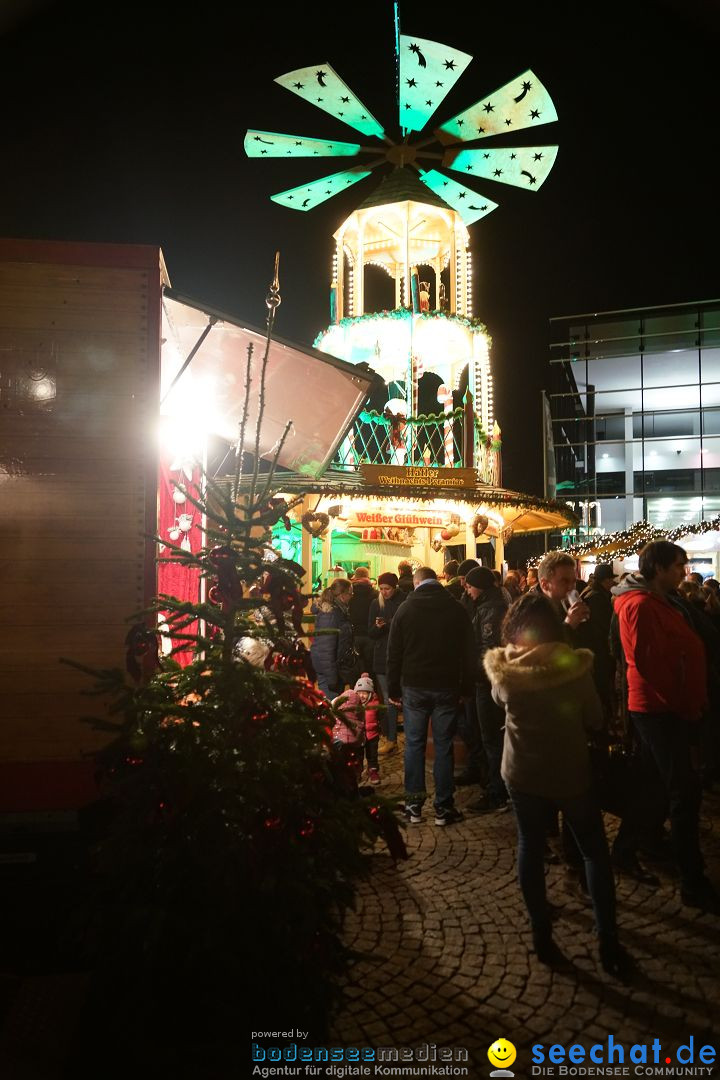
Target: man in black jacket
[475, 770]
[358, 610]
[489, 611]
[594, 634]
[430, 671]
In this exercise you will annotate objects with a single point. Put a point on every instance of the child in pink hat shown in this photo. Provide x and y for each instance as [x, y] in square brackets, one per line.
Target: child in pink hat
[357, 726]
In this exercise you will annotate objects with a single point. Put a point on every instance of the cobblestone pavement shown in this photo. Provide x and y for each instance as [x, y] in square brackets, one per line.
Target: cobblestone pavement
[447, 950]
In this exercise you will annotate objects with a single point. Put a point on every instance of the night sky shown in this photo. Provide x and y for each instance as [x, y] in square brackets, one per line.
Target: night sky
[126, 124]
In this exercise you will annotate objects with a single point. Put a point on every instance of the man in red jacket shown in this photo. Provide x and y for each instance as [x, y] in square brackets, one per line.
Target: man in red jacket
[666, 695]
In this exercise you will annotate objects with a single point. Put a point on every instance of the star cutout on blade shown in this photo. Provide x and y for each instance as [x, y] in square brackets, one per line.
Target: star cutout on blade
[421, 59]
[298, 86]
[525, 88]
[290, 198]
[428, 102]
[537, 157]
[498, 172]
[469, 168]
[449, 65]
[321, 76]
[345, 100]
[407, 106]
[460, 123]
[486, 155]
[319, 99]
[411, 82]
[363, 116]
[341, 114]
[298, 143]
[513, 156]
[534, 114]
[489, 108]
[439, 84]
[263, 151]
[481, 131]
[508, 122]
[462, 195]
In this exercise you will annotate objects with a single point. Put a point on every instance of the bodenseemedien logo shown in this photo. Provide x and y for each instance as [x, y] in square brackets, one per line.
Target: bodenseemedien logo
[502, 1054]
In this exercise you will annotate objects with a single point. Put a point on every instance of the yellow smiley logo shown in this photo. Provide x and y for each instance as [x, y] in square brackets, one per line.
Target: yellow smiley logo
[502, 1053]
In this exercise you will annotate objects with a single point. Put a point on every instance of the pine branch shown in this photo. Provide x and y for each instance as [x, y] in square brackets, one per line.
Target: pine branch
[246, 407]
[273, 463]
[272, 301]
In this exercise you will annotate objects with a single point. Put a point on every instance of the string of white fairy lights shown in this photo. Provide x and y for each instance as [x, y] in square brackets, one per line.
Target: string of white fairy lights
[627, 542]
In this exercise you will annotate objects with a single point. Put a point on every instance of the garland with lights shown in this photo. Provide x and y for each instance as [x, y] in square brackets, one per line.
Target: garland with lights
[476, 325]
[627, 542]
[372, 416]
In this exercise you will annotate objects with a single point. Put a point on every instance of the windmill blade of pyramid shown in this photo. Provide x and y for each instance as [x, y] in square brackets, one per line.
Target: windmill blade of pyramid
[308, 196]
[469, 205]
[522, 166]
[428, 72]
[323, 87]
[273, 144]
[522, 103]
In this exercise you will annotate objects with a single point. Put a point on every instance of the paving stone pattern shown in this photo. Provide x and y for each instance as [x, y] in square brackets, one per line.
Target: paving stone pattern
[447, 955]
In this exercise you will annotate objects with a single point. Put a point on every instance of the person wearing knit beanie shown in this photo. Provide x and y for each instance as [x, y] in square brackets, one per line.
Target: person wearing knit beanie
[382, 612]
[480, 577]
[468, 725]
[489, 607]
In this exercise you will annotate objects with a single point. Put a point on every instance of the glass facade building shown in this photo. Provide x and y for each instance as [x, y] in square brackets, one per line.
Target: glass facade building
[635, 415]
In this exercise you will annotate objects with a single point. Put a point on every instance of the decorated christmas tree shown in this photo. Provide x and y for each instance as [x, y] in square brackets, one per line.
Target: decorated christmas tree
[234, 837]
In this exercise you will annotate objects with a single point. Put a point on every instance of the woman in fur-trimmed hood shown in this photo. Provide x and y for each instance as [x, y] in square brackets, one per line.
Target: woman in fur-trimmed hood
[551, 704]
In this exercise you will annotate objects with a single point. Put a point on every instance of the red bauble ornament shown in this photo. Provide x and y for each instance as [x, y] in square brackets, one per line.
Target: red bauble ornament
[222, 555]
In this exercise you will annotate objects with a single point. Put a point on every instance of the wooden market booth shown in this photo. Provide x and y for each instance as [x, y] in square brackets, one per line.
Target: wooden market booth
[384, 513]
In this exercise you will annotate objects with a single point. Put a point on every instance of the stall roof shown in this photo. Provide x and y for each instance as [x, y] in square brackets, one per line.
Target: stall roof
[526, 513]
[318, 393]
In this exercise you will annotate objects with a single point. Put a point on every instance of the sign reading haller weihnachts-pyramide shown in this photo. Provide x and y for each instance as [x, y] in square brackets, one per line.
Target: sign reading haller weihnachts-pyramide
[417, 476]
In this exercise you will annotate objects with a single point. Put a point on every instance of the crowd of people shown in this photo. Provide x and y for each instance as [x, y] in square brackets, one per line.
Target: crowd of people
[539, 675]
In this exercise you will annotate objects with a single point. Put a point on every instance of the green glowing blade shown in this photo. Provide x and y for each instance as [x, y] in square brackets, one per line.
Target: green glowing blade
[469, 205]
[522, 103]
[428, 71]
[323, 87]
[523, 166]
[272, 144]
[310, 195]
